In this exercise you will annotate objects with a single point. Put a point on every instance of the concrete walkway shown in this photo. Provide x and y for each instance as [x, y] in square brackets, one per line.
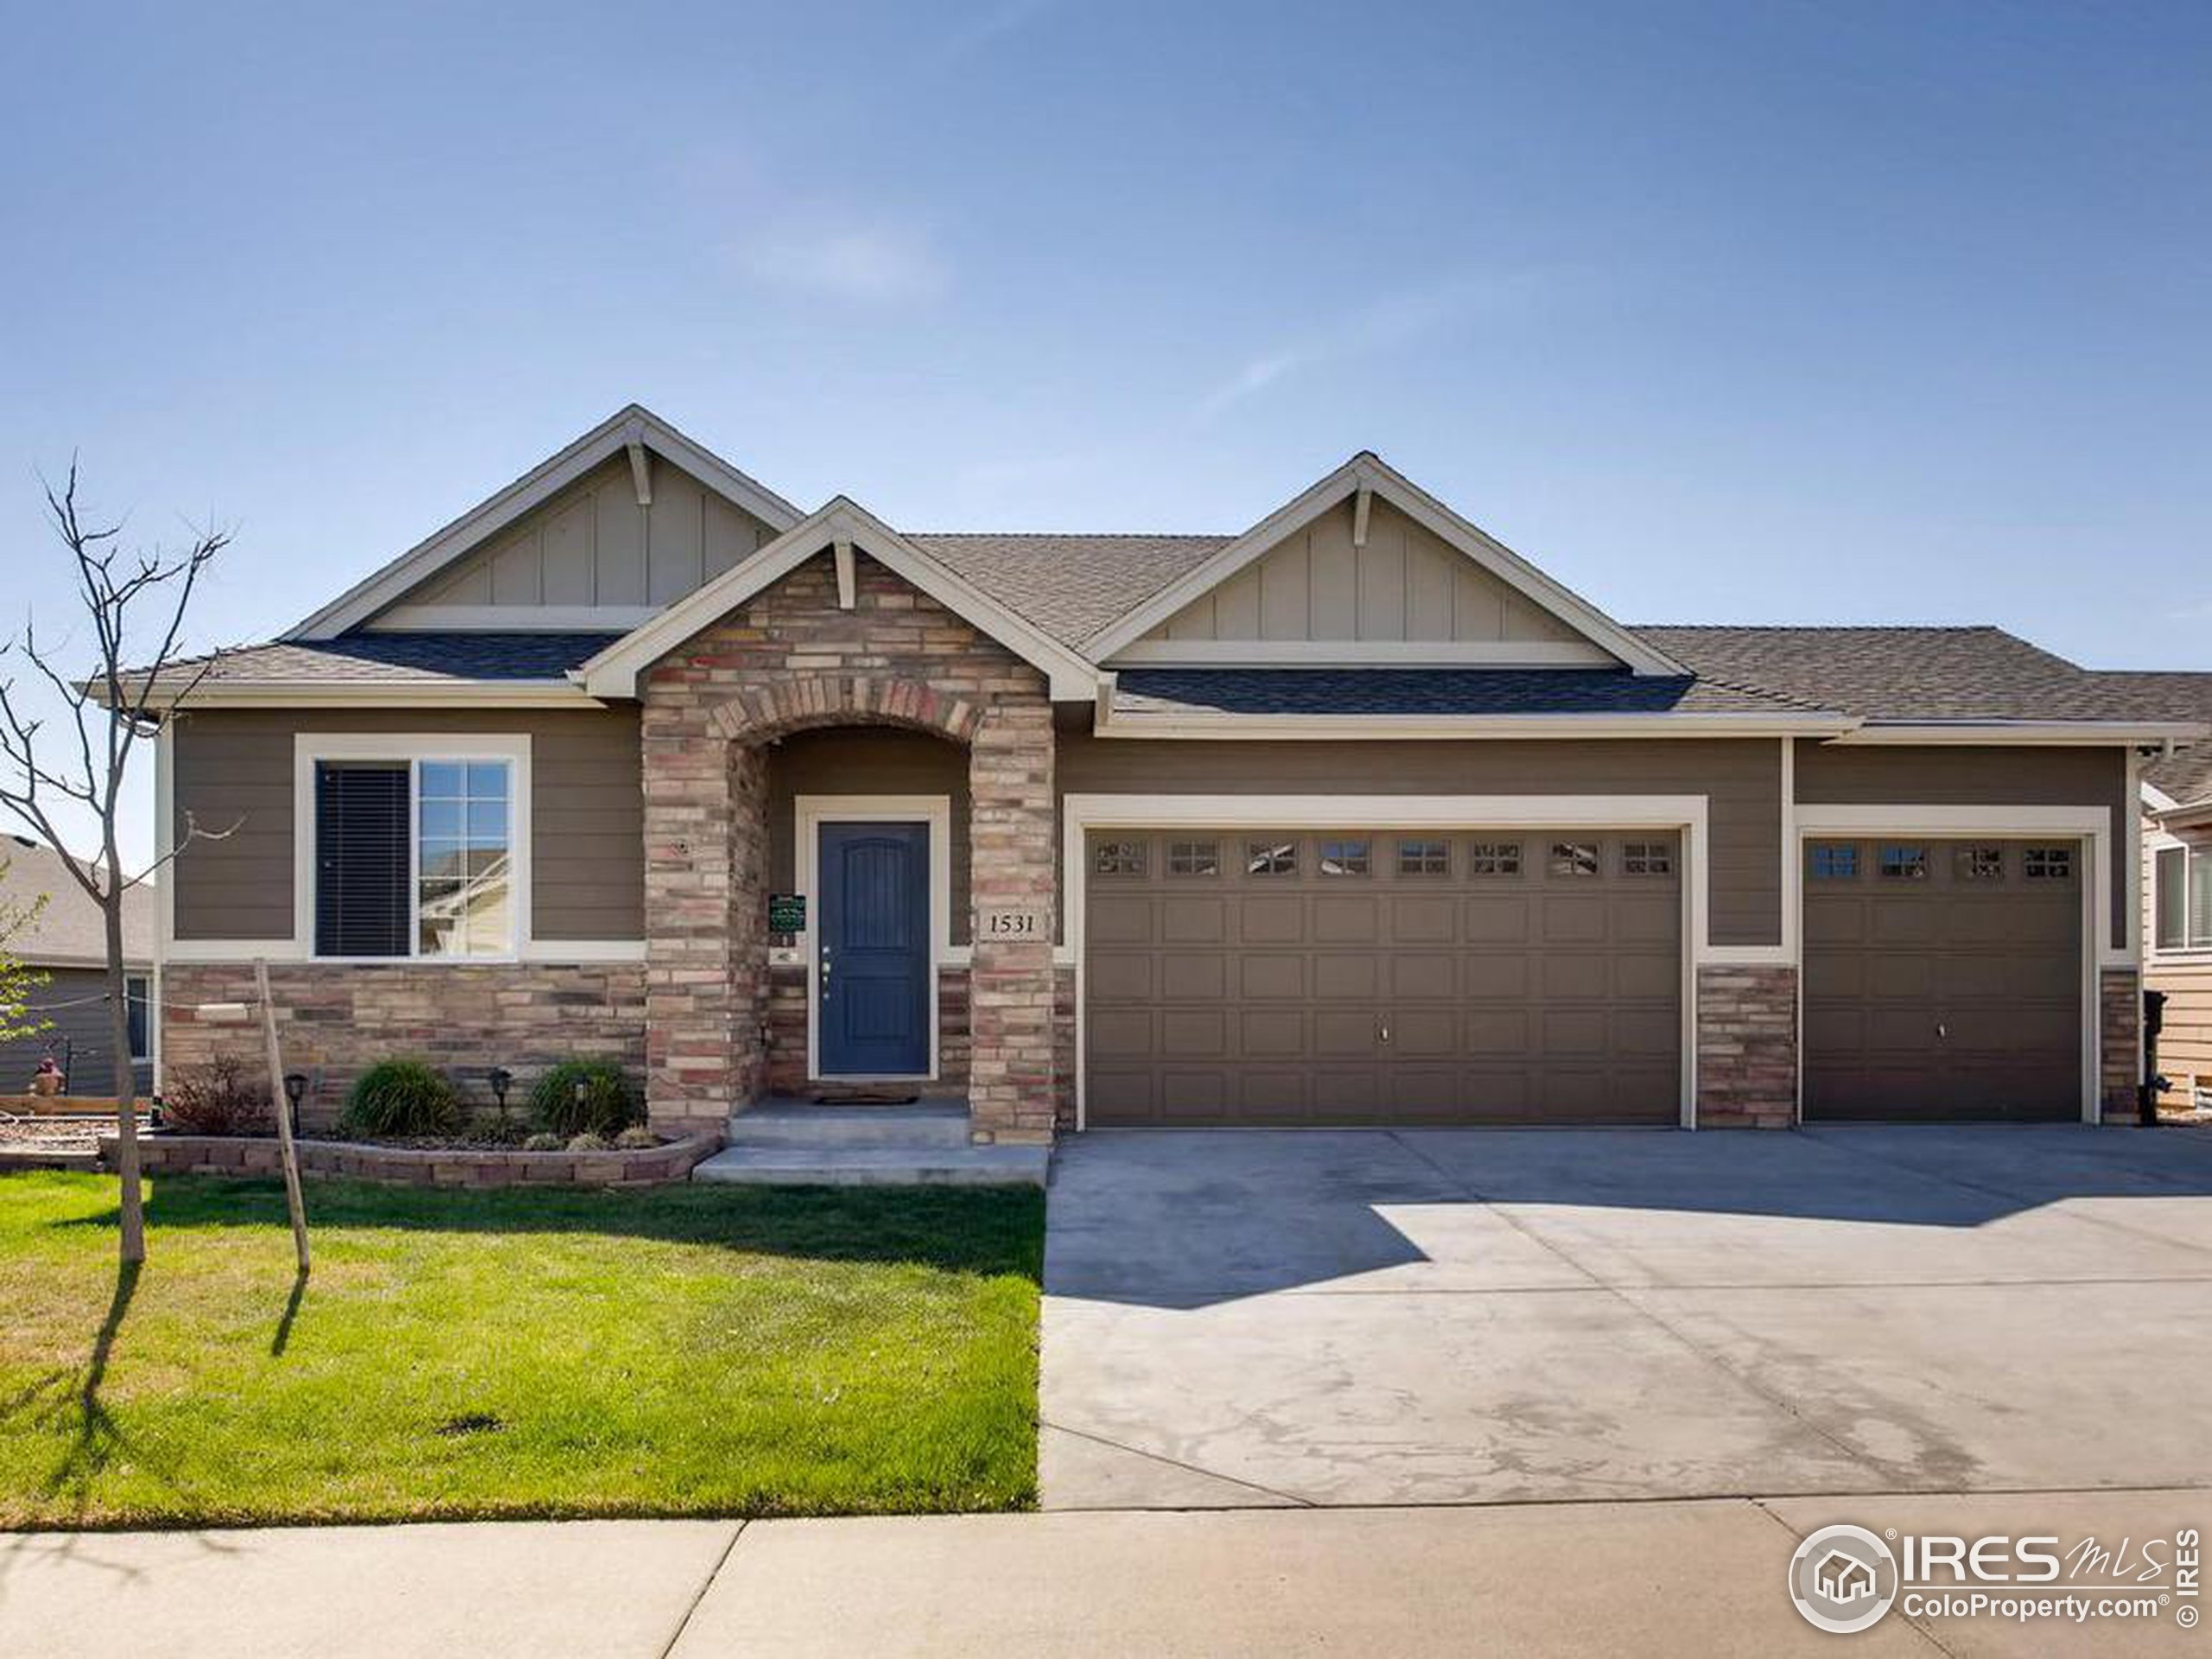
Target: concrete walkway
[1703, 1578]
[1451, 1317]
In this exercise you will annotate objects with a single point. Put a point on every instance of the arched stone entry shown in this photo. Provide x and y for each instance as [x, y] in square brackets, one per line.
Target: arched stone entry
[791, 660]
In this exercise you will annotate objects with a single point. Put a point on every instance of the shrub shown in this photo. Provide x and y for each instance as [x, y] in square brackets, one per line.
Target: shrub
[543, 1143]
[607, 1107]
[402, 1098]
[217, 1098]
[636, 1138]
[589, 1142]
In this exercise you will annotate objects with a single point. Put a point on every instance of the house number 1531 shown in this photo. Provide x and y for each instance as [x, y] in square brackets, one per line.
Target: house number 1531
[1013, 925]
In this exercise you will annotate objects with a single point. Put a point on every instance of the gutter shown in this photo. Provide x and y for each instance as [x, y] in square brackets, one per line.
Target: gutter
[381, 693]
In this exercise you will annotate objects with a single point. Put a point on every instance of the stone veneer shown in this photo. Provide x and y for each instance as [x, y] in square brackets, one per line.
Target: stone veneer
[2120, 1028]
[212, 1155]
[788, 660]
[1747, 1047]
[787, 1073]
[335, 1018]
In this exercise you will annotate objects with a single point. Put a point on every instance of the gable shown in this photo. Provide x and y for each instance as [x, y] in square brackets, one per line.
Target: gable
[593, 548]
[1366, 567]
[1402, 586]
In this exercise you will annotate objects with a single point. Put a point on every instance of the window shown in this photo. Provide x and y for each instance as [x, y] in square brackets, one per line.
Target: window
[1647, 858]
[136, 1007]
[1981, 863]
[1345, 858]
[1194, 858]
[1835, 861]
[1424, 858]
[2048, 864]
[1119, 858]
[1574, 858]
[1903, 863]
[415, 858]
[1494, 858]
[2184, 898]
[1271, 858]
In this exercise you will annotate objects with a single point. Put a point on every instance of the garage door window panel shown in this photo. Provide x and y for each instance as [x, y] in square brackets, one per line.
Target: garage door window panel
[1194, 858]
[1345, 858]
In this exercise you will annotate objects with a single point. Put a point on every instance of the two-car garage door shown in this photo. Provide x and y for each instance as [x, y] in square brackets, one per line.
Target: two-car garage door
[1314, 976]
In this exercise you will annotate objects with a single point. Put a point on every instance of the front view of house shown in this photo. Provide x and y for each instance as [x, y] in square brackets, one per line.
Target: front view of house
[1357, 818]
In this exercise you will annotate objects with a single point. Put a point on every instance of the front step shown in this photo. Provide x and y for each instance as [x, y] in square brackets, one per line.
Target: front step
[934, 1125]
[850, 1165]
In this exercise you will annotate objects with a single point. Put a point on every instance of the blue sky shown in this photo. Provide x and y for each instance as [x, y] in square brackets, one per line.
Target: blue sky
[1775, 313]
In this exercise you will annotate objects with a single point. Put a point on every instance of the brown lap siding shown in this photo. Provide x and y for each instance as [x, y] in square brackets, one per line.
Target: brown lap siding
[235, 767]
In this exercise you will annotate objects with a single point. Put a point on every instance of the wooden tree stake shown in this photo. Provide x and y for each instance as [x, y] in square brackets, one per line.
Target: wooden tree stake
[283, 1110]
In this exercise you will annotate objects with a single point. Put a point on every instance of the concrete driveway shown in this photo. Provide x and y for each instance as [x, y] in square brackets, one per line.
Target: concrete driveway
[1443, 1317]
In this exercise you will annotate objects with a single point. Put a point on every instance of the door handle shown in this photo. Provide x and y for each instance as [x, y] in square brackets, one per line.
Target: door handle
[1382, 1031]
[1943, 1030]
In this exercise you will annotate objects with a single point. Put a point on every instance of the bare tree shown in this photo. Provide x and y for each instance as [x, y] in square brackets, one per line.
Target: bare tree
[108, 713]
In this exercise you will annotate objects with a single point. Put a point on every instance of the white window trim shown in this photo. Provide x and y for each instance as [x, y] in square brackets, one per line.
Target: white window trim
[934, 813]
[2192, 852]
[2090, 825]
[1683, 815]
[147, 980]
[414, 748]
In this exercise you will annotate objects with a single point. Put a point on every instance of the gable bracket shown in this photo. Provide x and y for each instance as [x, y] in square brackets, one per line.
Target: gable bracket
[641, 466]
[848, 578]
[1361, 499]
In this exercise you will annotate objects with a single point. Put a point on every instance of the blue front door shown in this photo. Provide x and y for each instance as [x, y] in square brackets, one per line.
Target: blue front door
[872, 949]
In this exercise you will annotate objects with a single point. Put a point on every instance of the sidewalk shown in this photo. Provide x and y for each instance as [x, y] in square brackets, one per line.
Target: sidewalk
[1703, 1578]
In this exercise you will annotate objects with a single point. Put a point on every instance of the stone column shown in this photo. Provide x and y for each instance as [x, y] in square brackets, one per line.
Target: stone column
[705, 956]
[1746, 1047]
[1010, 1088]
[2120, 1026]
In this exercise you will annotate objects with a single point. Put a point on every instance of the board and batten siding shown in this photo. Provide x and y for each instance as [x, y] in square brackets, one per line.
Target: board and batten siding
[868, 760]
[1966, 775]
[1741, 777]
[73, 1007]
[594, 545]
[587, 810]
[1405, 584]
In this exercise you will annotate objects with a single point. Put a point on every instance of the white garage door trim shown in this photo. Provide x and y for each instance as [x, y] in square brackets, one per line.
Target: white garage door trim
[1684, 814]
[2089, 824]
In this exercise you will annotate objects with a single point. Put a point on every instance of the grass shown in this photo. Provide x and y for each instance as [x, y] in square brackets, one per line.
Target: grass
[690, 1350]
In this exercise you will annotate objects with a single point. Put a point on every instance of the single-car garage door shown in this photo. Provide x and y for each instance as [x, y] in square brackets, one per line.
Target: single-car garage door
[1943, 979]
[1322, 976]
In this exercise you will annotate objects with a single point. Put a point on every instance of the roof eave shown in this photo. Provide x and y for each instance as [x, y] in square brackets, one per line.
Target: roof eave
[2045, 733]
[380, 694]
[1384, 728]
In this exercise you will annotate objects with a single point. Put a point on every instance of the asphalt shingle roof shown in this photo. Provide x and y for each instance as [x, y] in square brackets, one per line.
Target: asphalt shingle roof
[2185, 775]
[69, 930]
[1070, 586]
[408, 659]
[1157, 691]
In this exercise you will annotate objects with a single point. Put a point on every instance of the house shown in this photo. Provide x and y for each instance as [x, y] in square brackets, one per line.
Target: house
[2177, 792]
[64, 940]
[1356, 816]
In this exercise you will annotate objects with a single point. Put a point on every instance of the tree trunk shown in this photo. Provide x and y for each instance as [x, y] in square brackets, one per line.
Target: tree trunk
[131, 1207]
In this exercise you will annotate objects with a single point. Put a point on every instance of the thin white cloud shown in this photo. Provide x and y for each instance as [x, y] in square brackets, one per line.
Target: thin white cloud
[867, 264]
[1383, 325]
[964, 40]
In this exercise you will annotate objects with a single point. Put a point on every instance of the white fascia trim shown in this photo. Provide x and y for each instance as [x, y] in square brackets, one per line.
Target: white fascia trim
[2156, 799]
[307, 747]
[613, 672]
[2043, 733]
[2089, 824]
[386, 694]
[512, 619]
[611, 437]
[1368, 471]
[1382, 728]
[1340, 653]
[1688, 815]
[808, 813]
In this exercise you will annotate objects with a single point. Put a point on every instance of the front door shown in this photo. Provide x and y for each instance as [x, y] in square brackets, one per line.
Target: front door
[872, 949]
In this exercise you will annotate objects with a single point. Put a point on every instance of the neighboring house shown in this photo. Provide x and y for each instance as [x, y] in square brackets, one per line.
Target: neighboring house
[2178, 890]
[66, 942]
[1356, 816]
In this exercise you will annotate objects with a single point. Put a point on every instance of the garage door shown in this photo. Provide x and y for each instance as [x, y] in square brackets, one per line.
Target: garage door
[1943, 979]
[1318, 976]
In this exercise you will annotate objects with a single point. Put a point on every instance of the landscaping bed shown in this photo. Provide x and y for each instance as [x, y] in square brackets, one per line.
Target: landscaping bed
[685, 1350]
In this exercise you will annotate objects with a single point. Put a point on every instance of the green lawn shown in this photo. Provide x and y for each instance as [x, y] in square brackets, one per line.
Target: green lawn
[693, 1351]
